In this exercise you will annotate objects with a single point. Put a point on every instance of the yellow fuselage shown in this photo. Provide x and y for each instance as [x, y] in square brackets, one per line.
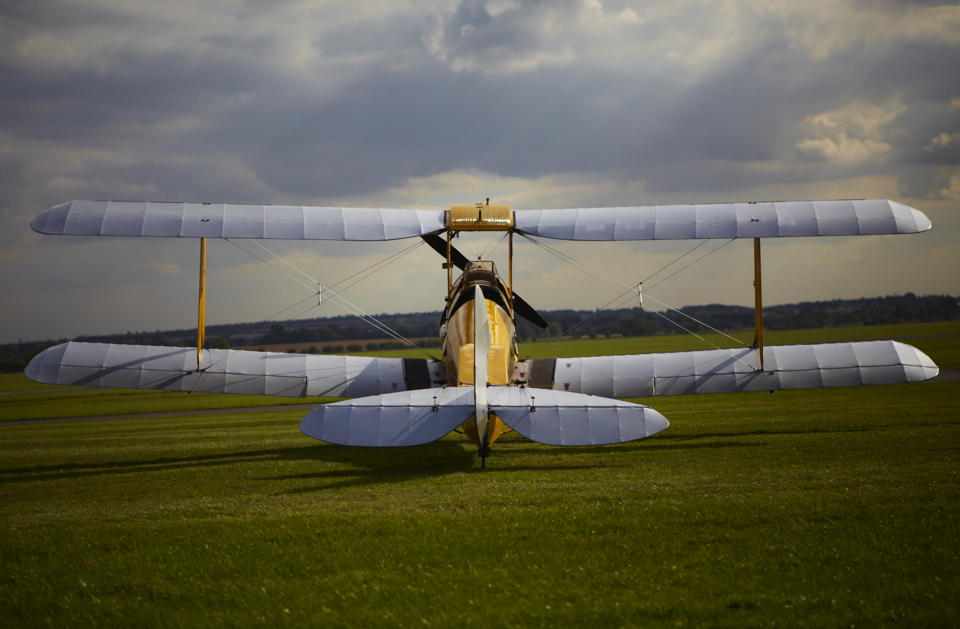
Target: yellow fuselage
[458, 353]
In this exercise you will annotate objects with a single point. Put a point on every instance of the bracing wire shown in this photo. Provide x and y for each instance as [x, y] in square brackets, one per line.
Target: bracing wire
[581, 266]
[469, 242]
[350, 307]
[312, 306]
[489, 242]
[689, 265]
[275, 268]
[664, 268]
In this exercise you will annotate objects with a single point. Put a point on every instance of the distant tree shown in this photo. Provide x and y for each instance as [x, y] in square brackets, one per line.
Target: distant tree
[220, 342]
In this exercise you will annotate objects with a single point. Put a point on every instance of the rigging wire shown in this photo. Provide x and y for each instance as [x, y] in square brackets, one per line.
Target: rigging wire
[352, 309]
[691, 264]
[576, 263]
[469, 242]
[664, 268]
[250, 327]
[580, 266]
[310, 288]
[312, 306]
[489, 242]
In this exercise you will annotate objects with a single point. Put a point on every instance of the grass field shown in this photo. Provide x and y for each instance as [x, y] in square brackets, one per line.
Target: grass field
[819, 508]
[939, 340]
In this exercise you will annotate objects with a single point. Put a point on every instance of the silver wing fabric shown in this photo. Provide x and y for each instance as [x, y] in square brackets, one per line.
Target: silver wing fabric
[398, 419]
[220, 220]
[725, 220]
[665, 222]
[560, 418]
[225, 371]
[416, 417]
[736, 370]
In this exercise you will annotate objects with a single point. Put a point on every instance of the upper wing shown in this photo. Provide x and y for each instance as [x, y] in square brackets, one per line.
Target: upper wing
[219, 220]
[725, 220]
[230, 371]
[734, 370]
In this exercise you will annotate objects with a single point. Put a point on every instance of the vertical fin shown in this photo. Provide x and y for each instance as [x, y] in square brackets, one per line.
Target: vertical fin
[481, 346]
[201, 318]
[758, 299]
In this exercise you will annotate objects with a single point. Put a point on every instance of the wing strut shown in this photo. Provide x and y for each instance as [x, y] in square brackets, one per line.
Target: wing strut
[758, 301]
[203, 300]
[510, 281]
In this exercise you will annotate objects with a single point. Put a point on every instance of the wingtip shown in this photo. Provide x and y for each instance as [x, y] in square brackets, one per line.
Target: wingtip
[919, 367]
[654, 422]
[920, 219]
[923, 223]
[52, 221]
[40, 222]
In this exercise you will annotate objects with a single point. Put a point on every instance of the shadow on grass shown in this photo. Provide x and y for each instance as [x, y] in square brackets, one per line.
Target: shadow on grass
[441, 457]
[768, 433]
[363, 466]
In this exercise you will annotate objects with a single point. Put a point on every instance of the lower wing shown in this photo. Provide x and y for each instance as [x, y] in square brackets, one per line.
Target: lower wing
[733, 370]
[230, 371]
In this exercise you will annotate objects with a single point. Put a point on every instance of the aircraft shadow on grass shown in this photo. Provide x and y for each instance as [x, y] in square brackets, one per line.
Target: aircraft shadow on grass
[369, 466]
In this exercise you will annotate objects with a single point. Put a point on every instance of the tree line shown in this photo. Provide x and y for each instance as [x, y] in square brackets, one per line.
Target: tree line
[908, 308]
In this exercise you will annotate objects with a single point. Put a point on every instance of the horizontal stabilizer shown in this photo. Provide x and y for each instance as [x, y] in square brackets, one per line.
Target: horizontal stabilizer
[229, 371]
[725, 220]
[396, 419]
[738, 370]
[224, 220]
[415, 417]
[560, 418]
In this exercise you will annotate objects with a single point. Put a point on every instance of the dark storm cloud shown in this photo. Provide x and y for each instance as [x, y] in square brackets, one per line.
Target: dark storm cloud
[383, 124]
[579, 102]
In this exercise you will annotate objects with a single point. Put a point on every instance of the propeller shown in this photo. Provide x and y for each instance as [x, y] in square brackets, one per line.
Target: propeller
[459, 260]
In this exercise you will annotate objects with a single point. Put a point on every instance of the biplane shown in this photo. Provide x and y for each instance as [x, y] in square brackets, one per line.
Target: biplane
[481, 385]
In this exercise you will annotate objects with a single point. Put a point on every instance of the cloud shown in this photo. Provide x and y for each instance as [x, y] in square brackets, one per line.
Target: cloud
[865, 121]
[943, 140]
[845, 150]
[421, 104]
[953, 190]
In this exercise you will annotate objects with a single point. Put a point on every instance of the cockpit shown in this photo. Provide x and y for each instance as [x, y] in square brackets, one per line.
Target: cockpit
[482, 273]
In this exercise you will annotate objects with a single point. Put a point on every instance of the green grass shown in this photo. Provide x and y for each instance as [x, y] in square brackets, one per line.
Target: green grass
[832, 507]
[70, 402]
[835, 507]
[10, 382]
[942, 344]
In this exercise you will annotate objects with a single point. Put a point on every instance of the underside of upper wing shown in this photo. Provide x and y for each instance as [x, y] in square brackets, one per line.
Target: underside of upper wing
[725, 220]
[230, 371]
[734, 370]
[219, 220]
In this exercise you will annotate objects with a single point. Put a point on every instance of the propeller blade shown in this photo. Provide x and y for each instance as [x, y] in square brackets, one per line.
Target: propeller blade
[526, 311]
[439, 245]
[459, 260]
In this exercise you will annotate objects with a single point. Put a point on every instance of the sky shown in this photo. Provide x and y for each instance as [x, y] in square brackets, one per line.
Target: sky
[420, 104]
